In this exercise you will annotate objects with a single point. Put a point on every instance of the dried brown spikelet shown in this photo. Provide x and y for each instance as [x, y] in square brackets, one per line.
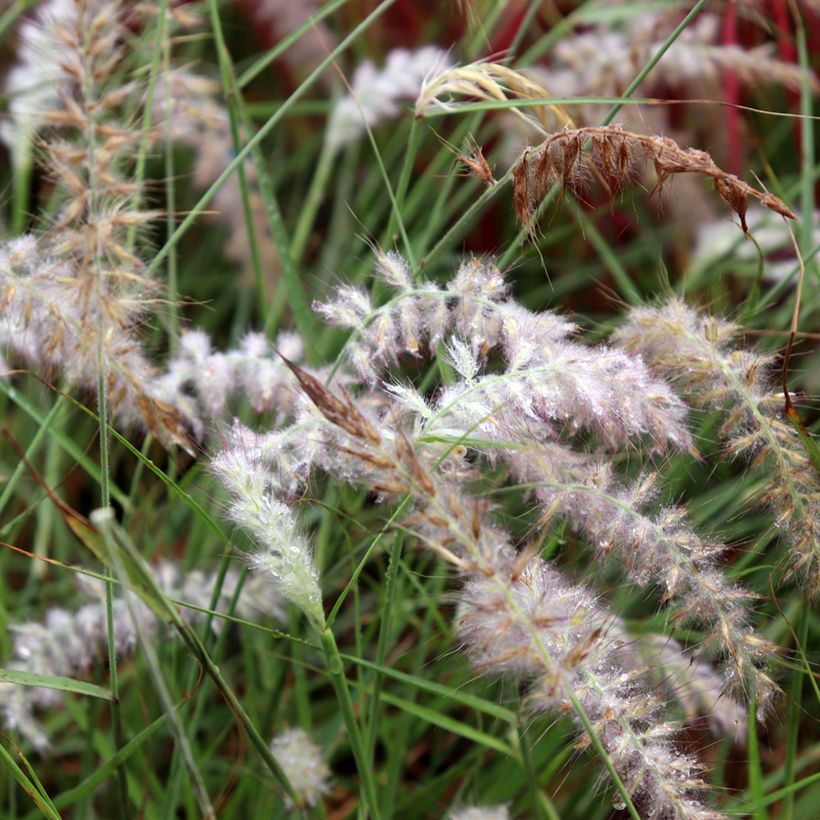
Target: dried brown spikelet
[165, 422]
[522, 193]
[696, 351]
[376, 460]
[339, 411]
[405, 452]
[476, 164]
[182, 15]
[609, 150]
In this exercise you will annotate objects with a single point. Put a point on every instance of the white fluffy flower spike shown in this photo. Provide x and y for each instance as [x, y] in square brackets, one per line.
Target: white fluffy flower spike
[302, 762]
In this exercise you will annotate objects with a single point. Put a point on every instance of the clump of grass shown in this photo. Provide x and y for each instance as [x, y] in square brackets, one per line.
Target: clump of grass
[469, 540]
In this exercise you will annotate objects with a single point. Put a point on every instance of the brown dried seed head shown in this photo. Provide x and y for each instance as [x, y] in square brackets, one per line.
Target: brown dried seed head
[545, 174]
[777, 205]
[423, 478]
[582, 649]
[405, 452]
[624, 157]
[476, 522]
[735, 199]
[332, 408]
[520, 565]
[361, 426]
[603, 150]
[476, 164]
[432, 518]
[559, 156]
[339, 411]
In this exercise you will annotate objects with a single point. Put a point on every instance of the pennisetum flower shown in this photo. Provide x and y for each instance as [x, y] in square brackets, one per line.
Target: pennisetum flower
[697, 353]
[281, 553]
[75, 295]
[201, 381]
[67, 643]
[653, 546]
[518, 615]
[552, 634]
[548, 377]
[552, 389]
[528, 395]
[302, 761]
[693, 683]
[376, 93]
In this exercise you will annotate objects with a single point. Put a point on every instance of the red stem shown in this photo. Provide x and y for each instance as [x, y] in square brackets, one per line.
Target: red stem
[730, 80]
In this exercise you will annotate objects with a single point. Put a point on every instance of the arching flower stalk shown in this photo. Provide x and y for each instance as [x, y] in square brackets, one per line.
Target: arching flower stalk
[281, 552]
[563, 160]
[549, 377]
[653, 547]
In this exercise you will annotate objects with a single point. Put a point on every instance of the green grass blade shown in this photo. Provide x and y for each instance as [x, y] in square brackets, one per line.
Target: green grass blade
[63, 684]
[29, 783]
